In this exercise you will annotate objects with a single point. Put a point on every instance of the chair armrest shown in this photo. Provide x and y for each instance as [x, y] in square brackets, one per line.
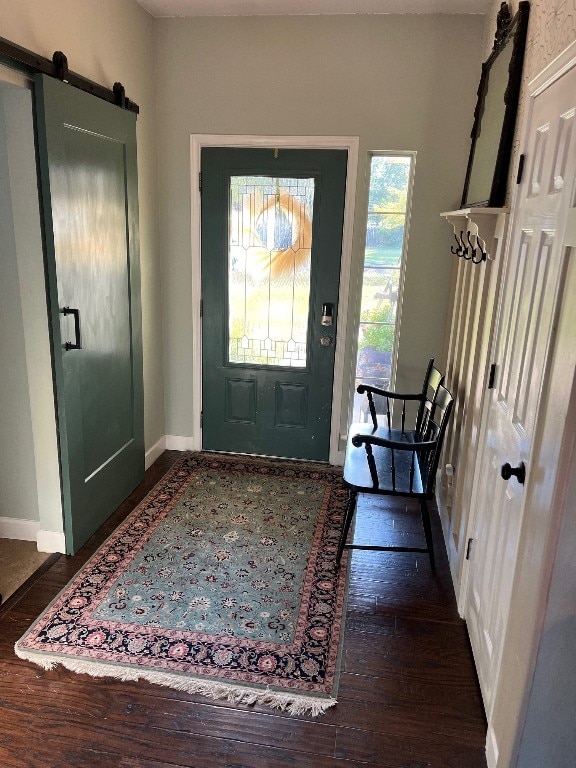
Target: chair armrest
[359, 440]
[385, 393]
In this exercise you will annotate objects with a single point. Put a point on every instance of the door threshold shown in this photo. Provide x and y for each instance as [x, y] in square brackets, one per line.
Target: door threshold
[265, 456]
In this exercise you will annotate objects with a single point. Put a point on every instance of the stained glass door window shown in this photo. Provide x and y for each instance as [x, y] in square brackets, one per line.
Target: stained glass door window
[269, 258]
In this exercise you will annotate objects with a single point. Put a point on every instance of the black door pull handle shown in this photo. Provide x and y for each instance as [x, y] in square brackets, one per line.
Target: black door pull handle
[519, 472]
[77, 344]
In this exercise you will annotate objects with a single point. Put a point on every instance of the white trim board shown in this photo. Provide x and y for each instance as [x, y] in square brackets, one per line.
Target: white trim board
[349, 143]
[168, 443]
[155, 452]
[180, 443]
[51, 541]
[29, 530]
[14, 528]
[553, 71]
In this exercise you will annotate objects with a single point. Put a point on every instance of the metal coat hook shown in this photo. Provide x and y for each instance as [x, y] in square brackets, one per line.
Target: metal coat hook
[470, 248]
[456, 251]
[478, 252]
[463, 248]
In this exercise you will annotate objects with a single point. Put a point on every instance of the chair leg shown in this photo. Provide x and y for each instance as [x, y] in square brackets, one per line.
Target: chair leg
[349, 514]
[428, 533]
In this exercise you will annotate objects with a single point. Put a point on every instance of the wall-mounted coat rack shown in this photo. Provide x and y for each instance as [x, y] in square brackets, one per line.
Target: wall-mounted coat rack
[467, 248]
[476, 231]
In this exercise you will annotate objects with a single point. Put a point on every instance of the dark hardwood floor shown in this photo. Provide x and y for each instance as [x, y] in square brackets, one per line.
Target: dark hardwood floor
[408, 695]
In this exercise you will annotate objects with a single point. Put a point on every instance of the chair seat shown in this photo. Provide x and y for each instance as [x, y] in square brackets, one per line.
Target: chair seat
[357, 472]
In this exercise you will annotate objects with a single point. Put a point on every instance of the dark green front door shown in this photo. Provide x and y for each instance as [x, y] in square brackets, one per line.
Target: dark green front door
[87, 152]
[271, 246]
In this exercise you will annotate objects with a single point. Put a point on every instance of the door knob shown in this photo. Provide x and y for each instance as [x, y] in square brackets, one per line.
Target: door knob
[520, 472]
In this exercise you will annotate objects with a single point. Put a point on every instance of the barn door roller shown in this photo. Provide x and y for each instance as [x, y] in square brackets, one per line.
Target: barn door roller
[32, 63]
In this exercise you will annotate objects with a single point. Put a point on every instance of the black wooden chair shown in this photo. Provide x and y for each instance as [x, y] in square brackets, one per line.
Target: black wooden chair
[432, 380]
[398, 462]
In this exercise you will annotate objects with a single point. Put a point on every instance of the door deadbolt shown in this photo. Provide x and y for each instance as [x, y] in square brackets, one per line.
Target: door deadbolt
[327, 314]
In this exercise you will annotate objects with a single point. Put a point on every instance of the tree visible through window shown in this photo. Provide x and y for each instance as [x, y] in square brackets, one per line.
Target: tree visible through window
[390, 178]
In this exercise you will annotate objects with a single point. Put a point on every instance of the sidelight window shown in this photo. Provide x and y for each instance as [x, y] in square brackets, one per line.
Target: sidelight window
[385, 246]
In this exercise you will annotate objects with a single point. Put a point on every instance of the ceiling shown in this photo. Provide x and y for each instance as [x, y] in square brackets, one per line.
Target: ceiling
[160, 8]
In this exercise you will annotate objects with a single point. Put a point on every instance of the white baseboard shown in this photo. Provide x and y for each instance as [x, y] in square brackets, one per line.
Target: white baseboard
[155, 452]
[29, 530]
[168, 443]
[443, 497]
[12, 528]
[179, 443]
[51, 541]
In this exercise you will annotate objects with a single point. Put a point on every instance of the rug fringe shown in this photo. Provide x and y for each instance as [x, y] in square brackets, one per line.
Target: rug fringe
[293, 703]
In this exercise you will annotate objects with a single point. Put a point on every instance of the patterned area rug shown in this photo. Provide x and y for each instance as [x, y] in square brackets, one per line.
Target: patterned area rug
[222, 581]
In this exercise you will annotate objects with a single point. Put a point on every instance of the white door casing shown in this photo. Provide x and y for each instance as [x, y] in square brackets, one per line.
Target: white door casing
[533, 274]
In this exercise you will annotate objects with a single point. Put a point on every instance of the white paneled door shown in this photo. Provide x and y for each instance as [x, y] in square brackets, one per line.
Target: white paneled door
[528, 309]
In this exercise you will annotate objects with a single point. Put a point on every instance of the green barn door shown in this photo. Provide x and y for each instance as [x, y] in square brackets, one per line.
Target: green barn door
[87, 159]
[271, 246]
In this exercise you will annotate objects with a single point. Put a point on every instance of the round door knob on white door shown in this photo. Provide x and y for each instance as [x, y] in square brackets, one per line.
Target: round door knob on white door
[519, 472]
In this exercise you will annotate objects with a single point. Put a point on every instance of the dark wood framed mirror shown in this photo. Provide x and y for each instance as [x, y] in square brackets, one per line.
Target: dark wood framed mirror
[495, 113]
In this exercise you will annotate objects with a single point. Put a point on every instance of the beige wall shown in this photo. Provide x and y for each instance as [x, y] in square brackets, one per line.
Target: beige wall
[397, 82]
[17, 499]
[109, 41]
